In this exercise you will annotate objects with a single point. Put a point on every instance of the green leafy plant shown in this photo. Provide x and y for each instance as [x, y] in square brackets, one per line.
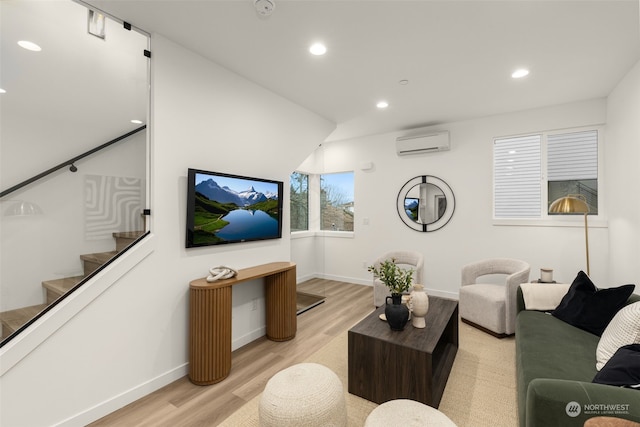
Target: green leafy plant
[397, 279]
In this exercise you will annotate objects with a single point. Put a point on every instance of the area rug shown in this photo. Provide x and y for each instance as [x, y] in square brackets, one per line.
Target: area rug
[480, 392]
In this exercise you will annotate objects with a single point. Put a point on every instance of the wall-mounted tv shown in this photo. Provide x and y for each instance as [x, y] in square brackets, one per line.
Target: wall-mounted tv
[224, 208]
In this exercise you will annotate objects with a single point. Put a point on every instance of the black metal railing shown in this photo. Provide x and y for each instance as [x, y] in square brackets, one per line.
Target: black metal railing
[71, 162]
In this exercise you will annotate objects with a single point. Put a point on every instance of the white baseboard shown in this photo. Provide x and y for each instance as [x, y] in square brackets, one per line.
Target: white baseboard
[247, 338]
[442, 294]
[306, 277]
[435, 292]
[108, 406]
[344, 279]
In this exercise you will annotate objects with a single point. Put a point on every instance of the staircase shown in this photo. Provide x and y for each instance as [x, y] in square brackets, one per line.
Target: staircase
[12, 320]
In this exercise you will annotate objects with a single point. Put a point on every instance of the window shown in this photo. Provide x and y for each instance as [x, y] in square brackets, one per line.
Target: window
[336, 201]
[299, 200]
[524, 176]
[517, 177]
[572, 167]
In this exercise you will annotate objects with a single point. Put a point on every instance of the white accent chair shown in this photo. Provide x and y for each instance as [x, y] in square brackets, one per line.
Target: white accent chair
[404, 259]
[492, 306]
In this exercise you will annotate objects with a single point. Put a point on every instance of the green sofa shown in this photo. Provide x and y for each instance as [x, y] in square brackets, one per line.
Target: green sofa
[555, 364]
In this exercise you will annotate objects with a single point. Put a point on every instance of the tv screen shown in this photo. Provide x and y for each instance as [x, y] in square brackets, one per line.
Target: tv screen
[223, 208]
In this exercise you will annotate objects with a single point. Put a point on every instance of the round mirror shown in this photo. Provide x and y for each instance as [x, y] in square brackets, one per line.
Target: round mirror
[426, 203]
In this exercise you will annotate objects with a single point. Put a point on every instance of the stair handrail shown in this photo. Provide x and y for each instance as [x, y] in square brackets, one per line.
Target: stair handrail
[70, 162]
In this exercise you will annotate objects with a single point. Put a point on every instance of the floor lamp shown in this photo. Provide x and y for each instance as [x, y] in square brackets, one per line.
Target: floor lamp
[574, 203]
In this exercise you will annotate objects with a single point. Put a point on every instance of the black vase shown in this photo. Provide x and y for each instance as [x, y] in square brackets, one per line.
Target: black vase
[397, 313]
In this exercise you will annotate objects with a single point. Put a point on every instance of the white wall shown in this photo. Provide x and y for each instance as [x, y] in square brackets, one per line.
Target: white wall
[133, 339]
[623, 179]
[470, 235]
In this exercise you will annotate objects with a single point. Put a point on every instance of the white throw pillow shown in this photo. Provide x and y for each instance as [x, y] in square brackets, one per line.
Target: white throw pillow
[624, 329]
[543, 296]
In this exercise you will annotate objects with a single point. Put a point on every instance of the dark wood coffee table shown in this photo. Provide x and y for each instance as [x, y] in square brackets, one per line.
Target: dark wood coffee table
[410, 364]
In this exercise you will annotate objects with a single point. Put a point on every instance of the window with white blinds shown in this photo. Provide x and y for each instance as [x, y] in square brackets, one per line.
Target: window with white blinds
[570, 167]
[572, 156]
[517, 172]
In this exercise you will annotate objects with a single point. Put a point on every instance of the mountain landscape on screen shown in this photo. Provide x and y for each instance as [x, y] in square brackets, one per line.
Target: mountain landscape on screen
[223, 214]
[213, 191]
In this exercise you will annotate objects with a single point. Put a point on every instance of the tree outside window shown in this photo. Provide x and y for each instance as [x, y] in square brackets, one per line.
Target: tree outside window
[336, 201]
[299, 201]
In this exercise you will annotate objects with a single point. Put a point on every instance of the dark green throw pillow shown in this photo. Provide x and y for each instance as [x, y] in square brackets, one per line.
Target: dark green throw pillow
[589, 308]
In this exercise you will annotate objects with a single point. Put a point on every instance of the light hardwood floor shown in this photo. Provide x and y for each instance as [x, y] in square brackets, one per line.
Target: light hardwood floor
[182, 403]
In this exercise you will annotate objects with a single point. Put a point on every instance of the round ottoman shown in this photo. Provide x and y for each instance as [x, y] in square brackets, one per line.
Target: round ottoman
[407, 413]
[307, 394]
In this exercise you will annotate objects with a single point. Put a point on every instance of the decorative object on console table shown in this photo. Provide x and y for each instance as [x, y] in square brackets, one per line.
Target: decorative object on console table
[220, 273]
[398, 280]
[419, 306]
[573, 204]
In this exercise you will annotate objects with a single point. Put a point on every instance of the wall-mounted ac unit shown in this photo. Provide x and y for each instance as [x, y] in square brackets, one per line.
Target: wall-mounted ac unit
[422, 143]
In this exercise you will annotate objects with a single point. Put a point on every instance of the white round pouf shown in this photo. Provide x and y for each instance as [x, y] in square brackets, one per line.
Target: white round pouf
[307, 394]
[407, 413]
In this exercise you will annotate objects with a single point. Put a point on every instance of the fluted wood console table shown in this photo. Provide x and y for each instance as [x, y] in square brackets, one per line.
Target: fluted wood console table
[210, 317]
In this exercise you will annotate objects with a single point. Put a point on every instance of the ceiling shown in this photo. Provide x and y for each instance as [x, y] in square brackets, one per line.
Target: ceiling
[457, 55]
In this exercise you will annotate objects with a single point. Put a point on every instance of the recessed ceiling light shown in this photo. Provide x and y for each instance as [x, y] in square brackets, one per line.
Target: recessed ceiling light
[136, 121]
[382, 104]
[29, 46]
[318, 49]
[404, 82]
[2, 90]
[520, 73]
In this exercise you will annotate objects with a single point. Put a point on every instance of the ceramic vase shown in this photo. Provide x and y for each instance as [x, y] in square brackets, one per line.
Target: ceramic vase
[419, 306]
[397, 314]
